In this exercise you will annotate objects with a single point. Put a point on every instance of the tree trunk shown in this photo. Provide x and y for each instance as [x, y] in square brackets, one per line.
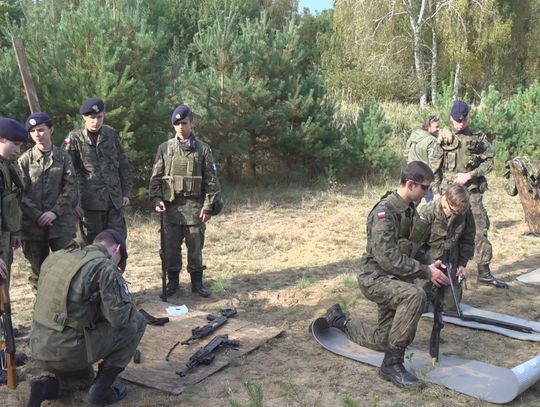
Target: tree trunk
[434, 65]
[531, 206]
[457, 79]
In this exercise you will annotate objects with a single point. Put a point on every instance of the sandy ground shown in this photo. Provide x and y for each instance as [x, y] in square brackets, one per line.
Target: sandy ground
[282, 257]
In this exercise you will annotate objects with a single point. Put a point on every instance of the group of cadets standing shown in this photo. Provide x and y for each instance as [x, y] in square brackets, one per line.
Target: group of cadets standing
[84, 312]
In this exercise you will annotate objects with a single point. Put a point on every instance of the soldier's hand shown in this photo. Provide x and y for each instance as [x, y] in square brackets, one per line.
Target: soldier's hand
[461, 272]
[3, 269]
[78, 211]
[204, 216]
[125, 201]
[461, 178]
[160, 207]
[16, 240]
[438, 277]
[46, 219]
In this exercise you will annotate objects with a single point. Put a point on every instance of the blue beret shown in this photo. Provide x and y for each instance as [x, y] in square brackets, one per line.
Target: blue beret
[92, 106]
[460, 111]
[120, 240]
[35, 119]
[12, 130]
[180, 113]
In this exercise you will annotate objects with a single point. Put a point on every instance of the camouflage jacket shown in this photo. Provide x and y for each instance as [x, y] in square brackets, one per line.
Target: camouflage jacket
[469, 151]
[185, 208]
[11, 187]
[50, 185]
[389, 251]
[437, 232]
[102, 169]
[97, 295]
[419, 146]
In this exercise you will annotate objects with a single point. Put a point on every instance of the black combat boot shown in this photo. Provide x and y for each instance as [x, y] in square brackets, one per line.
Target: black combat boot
[337, 318]
[102, 392]
[43, 388]
[485, 277]
[197, 285]
[392, 369]
[173, 283]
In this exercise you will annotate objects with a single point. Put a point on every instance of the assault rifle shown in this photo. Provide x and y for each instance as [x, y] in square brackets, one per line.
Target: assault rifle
[7, 349]
[162, 256]
[206, 354]
[438, 324]
[212, 326]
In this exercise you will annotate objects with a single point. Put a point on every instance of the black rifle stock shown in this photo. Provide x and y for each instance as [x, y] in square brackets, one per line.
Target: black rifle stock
[8, 348]
[206, 354]
[212, 326]
[162, 256]
[438, 325]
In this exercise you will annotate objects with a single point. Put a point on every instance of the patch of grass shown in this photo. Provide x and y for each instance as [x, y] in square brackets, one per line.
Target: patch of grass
[349, 280]
[348, 401]
[220, 285]
[304, 282]
[255, 394]
[346, 305]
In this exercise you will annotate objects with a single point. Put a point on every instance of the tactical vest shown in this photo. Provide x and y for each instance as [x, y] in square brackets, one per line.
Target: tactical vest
[10, 197]
[464, 154]
[182, 173]
[50, 309]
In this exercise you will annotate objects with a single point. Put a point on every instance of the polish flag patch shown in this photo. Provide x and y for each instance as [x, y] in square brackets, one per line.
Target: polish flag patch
[381, 215]
[67, 140]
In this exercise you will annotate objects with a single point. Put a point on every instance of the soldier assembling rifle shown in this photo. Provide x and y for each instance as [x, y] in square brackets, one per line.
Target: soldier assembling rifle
[185, 190]
[386, 276]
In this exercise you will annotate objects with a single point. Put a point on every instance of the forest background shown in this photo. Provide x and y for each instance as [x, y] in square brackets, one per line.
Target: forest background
[281, 94]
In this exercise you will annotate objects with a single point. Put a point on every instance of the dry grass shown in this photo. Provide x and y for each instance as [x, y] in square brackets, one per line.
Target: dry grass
[284, 255]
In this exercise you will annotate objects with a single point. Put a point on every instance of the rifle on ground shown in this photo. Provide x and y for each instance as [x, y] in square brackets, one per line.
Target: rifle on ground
[206, 354]
[162, 256]
[7, 351]
[476, 318]
[212, 326]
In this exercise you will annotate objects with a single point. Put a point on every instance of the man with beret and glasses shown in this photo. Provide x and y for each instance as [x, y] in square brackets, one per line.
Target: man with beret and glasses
[466, 158]
[185, 190]
[102, 170]
[12, 136]
[49, 197]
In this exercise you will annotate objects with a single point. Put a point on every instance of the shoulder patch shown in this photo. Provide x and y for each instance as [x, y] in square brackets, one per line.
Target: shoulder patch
[381, 215]
[213, 167]
[67, 140]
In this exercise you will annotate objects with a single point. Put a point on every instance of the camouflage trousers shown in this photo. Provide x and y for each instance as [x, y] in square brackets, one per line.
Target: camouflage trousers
[400, 305]
[34, 251]
[115, 347]
[175, 235]
[95, 222]
[6, 251]
[483, 251]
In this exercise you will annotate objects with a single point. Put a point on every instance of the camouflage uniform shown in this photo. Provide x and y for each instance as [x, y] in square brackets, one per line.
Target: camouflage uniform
[469, 151]
[386, 277]
[103, 176]
[439, 234]
[50, 186]
[419, 146]
[83, 313]
[186, 181]
[11, 187]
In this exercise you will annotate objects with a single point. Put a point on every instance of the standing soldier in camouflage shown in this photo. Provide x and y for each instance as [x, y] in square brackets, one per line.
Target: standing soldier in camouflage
[420, 145]
[386, 277]
[102, 169]
[446, 229]
[84, 313]
[465, 158]
[12, 136]
[185, 190]
[49, 197]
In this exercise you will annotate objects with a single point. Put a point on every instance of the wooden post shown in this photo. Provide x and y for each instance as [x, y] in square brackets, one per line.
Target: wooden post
[531, 206]
[29, 88]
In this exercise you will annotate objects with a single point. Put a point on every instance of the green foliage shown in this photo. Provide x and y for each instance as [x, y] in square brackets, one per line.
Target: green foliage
[348, 401]
[255, 394]
[220, 285]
